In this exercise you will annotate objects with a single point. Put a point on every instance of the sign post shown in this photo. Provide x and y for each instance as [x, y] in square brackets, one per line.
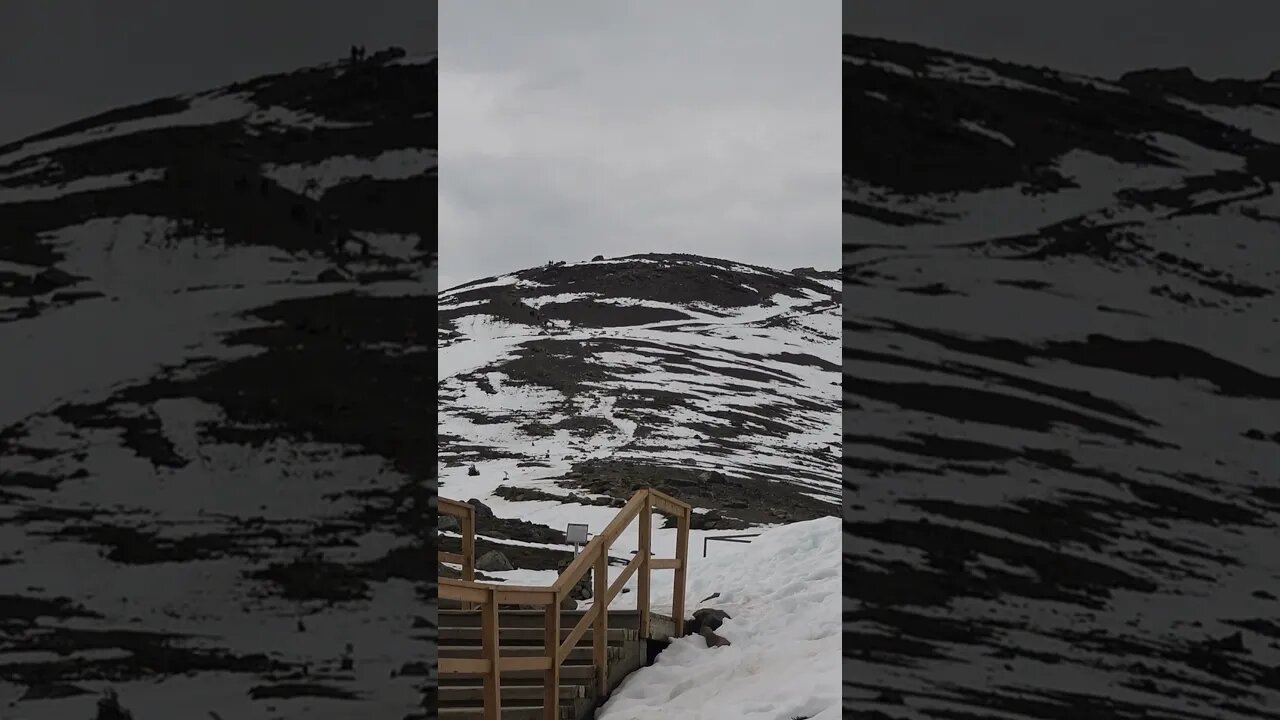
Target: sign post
[576, 535]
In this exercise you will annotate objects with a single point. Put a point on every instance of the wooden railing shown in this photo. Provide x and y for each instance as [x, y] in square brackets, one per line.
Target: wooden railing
[490, 596]
[466, 516]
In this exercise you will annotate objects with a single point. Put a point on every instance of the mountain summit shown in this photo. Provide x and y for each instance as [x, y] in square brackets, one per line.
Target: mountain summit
[563, 388]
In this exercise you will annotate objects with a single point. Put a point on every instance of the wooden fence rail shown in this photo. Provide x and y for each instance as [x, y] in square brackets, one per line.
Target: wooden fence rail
[466, 516]
[490, 596]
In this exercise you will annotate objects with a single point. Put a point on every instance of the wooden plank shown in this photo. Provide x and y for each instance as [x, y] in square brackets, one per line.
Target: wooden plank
[682, 554]
[578, 568]
[453, 507]
[578, 631]
[668, 505]
[646, 555]
[462, 590]
[551, 642]
[622, 520]
[463, 666]
[665, 564]
[449, 557]
[534, 591]
[526, 596]
[468, 526]
[517, 663]
[493, 677]
[571, 575]
[600, 643]
[623, 577]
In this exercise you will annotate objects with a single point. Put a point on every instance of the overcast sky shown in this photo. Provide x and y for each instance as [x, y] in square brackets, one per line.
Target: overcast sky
[62, 60]
[575, 128]
[1217, 38]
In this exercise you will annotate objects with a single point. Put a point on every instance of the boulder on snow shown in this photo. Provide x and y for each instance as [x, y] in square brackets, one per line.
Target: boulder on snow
[109, 708]
[597, 258]
[481, 509]
[704, 622]
[472, 471]
[494, 561]
[446, 523]
[709, 618]
[710, 520]
[714, 640]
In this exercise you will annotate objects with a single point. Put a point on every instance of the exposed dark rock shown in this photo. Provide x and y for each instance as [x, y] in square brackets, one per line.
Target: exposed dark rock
[493, 561]
[708, 618]
[109, 708]
[584, 588]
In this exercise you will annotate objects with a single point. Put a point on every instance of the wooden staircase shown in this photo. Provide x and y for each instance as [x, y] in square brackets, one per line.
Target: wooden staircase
[549, 663]
[522, 634]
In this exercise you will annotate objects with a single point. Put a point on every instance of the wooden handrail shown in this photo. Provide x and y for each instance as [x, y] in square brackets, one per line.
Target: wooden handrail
[489, 596]
[466, 516]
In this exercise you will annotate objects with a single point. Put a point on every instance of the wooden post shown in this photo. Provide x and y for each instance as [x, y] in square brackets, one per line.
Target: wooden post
[493, 677]
[682, 554]
[646, 551]
[600, 649]
[551, 644]
[469, 548]
[469, 545]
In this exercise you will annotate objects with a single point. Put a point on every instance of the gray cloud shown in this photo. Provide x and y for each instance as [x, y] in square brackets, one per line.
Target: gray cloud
[1217, 38]
[569, 129]
[61, 60]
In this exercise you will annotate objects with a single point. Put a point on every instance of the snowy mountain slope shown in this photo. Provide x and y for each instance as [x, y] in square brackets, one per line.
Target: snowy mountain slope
[1060, 386]
[569, 386]
[213, 474]
[782, 594]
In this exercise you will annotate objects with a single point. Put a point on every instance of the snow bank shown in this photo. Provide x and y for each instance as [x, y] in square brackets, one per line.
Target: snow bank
[782, 592]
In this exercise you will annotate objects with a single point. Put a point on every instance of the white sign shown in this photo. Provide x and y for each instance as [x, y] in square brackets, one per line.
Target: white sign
[576, 534]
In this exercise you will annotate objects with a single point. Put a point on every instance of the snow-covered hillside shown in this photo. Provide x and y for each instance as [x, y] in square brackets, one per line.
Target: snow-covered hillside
[214, 474]
[1062, 390]
[567, 387]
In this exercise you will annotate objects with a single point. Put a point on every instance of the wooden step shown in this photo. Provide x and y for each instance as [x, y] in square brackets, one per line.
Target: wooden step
[523, 712]
[525, 636]
[628, 619]
[581, 653]
[451, 603]
[453, 695]
[569, 675]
